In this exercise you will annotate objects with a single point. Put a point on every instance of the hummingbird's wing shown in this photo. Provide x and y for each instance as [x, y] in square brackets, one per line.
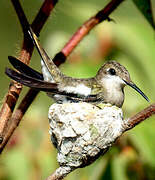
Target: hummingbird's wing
[24, 69]
[41, 85]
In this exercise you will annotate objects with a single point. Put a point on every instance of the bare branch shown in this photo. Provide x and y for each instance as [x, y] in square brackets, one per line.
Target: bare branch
[43, 15]
[139, 117]
[25, 55]
[87, 27]
[59, 173]
[17, 116]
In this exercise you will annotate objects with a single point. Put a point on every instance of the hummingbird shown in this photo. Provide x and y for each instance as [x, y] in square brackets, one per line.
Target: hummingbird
[106, 87]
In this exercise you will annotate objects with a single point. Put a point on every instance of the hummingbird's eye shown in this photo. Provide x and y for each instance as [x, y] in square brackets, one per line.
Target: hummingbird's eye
[112, 71]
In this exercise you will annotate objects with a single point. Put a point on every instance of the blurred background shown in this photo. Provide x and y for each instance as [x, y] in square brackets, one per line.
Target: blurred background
[130, 40]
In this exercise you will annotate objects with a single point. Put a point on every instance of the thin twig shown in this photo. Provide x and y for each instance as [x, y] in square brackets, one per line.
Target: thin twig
[16, 117]
[87, 27]
[15, 88]
[60, 173]
[139, 117]
[43, 15]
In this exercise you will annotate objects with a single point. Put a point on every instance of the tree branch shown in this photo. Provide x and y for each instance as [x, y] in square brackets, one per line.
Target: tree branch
[87, 27]
[59, 173]
[25, 55]
[139, 117]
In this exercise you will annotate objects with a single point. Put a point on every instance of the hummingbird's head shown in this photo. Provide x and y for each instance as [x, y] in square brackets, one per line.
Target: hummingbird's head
[112, 75]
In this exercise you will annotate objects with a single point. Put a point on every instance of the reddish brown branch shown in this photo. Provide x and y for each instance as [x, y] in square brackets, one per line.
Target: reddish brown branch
[17, 115]
[42, 15]
[88, 25]
[15, 88]
[139, 117]
[8, 107]
[84, 30]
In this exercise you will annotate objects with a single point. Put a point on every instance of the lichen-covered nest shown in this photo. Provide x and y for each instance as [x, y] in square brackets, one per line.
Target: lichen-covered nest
[81, 132]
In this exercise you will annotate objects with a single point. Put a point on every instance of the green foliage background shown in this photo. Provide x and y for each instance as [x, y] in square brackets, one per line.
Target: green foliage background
[130, 40]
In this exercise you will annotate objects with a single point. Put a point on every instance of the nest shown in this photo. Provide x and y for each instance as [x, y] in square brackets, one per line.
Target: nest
[82, 132]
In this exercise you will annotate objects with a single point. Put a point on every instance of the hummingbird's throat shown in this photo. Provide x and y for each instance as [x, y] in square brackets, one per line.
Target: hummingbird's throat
[113, 90]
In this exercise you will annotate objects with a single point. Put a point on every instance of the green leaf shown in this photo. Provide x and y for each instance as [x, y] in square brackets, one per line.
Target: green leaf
[145, 7]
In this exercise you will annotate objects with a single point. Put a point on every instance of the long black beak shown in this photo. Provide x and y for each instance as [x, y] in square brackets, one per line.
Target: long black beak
[137, 89]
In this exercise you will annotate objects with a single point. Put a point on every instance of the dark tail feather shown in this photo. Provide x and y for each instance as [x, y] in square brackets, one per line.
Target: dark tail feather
[24, 69]
[32, 82]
